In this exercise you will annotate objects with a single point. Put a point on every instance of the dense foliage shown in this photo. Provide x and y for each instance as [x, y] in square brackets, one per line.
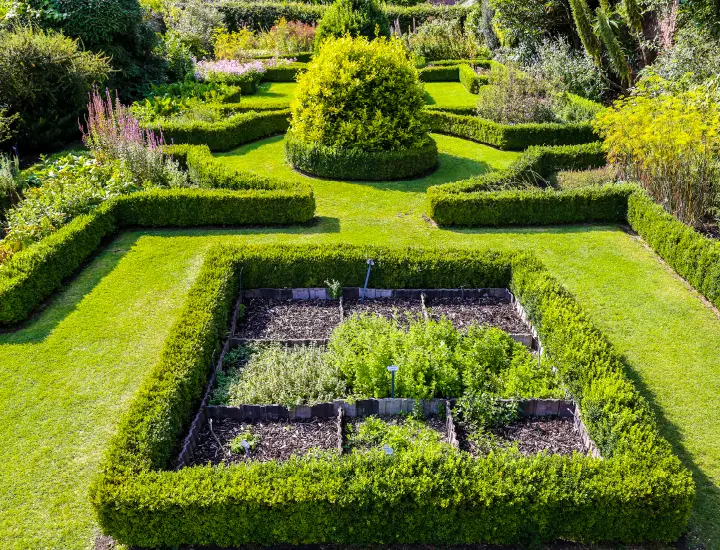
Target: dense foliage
[274, 374]
[283, 38]
[669, 140]
[45, 78]
[352, 17]
[360, 94]
[434, 359]
[443, 39]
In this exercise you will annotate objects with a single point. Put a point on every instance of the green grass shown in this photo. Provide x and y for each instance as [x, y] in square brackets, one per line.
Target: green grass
[439, 94]
[68, 375]
[280, 92]
[449, 94]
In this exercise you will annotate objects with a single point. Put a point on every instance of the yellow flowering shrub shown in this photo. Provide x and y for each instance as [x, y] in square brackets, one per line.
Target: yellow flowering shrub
[668, 139]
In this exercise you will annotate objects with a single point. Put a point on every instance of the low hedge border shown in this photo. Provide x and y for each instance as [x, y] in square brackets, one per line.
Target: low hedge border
[353, 164]
[510, 137]
[638, 492]
[470, 79]
[284, 73]
[693, 256]
[33, 274]
[262, 15]
[440, 74]
[236, 130]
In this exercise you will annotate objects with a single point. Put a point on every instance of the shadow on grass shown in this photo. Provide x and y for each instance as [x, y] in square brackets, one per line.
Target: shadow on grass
[429, 100]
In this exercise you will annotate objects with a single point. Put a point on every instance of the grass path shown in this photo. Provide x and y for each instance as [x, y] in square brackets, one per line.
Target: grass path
[68, 375]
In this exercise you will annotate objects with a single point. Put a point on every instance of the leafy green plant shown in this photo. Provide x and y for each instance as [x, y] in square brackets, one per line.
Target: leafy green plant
[251, 439]
[11, 183]
[443, 39]
[276, 374]
[400, 435]
[482, 411]
[334, 288]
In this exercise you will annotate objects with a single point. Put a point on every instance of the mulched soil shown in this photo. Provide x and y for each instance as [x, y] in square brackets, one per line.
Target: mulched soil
[711, 230]
[432, 422]
[279, 440]
[315, 319]
[553, 435]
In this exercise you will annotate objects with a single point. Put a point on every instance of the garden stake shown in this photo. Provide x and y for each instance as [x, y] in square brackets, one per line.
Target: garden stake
[370, 263]
[393, 369]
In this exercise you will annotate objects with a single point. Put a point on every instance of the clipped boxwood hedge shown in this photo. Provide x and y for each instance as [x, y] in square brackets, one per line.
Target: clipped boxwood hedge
[638, 492]
[470, 79]
[509, 137]
[235, 130]
[284, 73]
[440, 74]
[354, 164]
[694, 256]
[229, 197]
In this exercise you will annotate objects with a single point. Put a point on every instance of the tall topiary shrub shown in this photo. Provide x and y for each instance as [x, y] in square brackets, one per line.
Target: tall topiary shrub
[353, 17]
[358, 112]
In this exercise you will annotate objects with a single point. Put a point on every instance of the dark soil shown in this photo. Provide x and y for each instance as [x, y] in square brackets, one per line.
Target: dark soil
[277, 440]
[315, 319]
[534, 435]
[432, 422]
[710, 229]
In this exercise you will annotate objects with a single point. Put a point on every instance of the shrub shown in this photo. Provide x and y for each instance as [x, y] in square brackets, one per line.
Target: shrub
[11, 184]
[352, 17]
[514, 97]
[245, 75]
[227, 133]
[669, 142]
[274, 374]
[470, 79]
[283, 38]
[263, 14]
[178, 57]
[360, 94]
[168, 100]
[373, 433]
[440, 74]
[195, 24]
[45, 78]
[443, 39]
[568, 70]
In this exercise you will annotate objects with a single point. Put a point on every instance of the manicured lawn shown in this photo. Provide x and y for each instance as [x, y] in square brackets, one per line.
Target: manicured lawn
[440, 94]
[68, 375]
[449, 94]
[280, 92]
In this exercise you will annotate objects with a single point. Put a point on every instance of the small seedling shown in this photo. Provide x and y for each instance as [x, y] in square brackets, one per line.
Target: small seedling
[244, 443]
[334, 288]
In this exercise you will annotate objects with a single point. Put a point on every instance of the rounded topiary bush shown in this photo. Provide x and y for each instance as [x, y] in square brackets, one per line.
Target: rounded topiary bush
[358, 113]
[353, 17]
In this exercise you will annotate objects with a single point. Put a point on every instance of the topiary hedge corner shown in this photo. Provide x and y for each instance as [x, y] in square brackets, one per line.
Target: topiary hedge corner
[638, 491]
[354, 164]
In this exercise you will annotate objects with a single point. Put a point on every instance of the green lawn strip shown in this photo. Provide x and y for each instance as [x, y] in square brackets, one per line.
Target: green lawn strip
[66, 379]
[70, 372]
[449, 94]
[282, 92]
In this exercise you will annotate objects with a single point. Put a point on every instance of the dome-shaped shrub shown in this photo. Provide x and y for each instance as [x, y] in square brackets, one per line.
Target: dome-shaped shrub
[353, 17]
[358, 113]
